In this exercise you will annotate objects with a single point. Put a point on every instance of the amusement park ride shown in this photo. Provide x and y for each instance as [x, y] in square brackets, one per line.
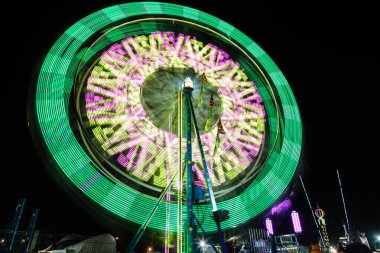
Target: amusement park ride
[113, 111]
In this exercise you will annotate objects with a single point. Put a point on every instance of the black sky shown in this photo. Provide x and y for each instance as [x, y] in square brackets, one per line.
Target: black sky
[329, 55]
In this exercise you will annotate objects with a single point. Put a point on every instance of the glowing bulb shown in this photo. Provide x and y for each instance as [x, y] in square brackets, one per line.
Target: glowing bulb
[188, 83]
[203, 244]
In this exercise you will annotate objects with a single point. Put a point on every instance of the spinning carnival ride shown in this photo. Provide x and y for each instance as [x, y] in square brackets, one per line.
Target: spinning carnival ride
[142, 106]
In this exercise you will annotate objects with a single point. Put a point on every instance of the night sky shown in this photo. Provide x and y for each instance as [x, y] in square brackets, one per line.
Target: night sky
[329, 56]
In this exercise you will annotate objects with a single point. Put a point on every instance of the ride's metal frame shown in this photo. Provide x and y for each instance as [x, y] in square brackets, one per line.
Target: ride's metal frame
[218, 215]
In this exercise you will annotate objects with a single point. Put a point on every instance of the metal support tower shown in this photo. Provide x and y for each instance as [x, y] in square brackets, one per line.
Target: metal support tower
[218, 215]
[29, 231]
[189, 179]
[179, 170]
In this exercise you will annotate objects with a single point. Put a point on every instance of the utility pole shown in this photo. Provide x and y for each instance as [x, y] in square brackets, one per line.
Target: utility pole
[344, 204]
[312, 213]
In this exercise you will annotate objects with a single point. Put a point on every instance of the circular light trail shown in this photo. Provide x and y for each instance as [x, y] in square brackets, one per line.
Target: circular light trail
[130, 104]
[280, 140]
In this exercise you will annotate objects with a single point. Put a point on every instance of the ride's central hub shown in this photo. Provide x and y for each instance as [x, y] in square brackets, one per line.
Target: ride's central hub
[130, 106]
[159, 98]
